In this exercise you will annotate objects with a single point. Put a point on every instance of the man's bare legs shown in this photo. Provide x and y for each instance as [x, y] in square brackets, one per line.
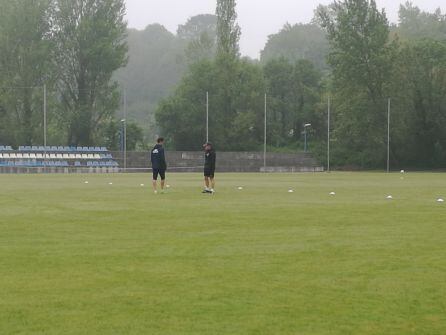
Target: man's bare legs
[209, 183]
[155, 186]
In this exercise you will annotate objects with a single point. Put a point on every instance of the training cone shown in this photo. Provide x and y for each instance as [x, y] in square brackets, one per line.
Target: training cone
[290, 191]
[440, 200]
[389, 197]
[332, 193]
[240, 188]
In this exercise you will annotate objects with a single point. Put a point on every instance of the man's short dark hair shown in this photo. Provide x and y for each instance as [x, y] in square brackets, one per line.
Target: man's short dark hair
[160, 139]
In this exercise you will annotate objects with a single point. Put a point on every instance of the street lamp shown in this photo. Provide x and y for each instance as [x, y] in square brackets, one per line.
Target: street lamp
[306, 126]
[124, 126]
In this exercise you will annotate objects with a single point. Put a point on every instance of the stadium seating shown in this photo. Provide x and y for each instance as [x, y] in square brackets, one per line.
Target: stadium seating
[56, 156]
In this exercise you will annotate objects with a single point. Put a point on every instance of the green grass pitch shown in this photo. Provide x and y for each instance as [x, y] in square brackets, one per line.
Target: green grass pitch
[96, 258]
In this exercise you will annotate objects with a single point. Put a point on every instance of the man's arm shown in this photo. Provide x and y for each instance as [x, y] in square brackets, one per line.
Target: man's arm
[213, 161]
[163, 158]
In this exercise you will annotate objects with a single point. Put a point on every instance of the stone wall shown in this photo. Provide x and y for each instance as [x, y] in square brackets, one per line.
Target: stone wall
[226, 161]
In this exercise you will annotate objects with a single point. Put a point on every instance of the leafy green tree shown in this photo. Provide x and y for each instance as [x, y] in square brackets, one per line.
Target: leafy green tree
[198, 25]
[294, 91]
[90, 41]
[416, 24]
[182, 116]
[420, 113]
[156, 64]
[300, 41]
[361, 59]
[157, 53]
[228, 31]
[135, 136]
[112, 131]
[25, 53]
[280, 87]
[204, 47]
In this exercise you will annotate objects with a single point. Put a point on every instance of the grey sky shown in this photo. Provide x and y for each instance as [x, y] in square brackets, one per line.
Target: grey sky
[257, 18]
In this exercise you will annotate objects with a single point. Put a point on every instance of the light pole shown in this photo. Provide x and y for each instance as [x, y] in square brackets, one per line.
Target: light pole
[124, 140]
[124, 123]
[328, 133]
[306, 126]
[207, 117]
[388, 134]
[264, 135]
[44, 125]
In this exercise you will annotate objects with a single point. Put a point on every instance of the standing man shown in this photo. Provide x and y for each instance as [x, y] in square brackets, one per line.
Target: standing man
[209, 168]
[159, 165]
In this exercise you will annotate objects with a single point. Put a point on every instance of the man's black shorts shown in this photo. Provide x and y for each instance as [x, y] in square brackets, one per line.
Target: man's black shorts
[158, 172]
[209, 173]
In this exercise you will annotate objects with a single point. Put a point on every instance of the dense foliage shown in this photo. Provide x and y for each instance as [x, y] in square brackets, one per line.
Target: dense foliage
[70, 47]
[86, 57]
[157, 61]
[367, 63]
[295, 42]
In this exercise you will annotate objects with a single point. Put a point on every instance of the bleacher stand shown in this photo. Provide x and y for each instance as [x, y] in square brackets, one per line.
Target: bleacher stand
[56, 159]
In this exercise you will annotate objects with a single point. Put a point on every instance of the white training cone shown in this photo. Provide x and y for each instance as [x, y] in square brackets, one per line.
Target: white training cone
[389, 197]
[86, 182]
[240, 188]
[290, 191]
[332, 193]
[440, 200]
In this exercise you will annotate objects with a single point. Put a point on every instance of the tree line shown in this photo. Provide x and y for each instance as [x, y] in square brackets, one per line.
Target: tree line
[68, 49]
[367, 62]
[82, 52]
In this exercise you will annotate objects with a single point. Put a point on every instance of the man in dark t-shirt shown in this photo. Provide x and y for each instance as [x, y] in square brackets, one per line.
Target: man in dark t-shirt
[210, 158]
[159, 165]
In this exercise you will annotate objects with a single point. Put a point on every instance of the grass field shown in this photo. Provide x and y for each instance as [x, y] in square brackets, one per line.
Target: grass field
[95, 258]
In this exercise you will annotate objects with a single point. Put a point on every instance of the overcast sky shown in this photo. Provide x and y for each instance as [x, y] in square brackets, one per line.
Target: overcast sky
[257, 18]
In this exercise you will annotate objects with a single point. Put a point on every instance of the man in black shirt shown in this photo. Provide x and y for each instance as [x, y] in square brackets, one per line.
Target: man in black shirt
[209, 168]
[159, 165]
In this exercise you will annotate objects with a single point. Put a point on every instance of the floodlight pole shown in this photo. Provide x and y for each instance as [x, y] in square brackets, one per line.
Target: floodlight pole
[265, 134]
[328, 133]
[388, 134]
[207, 116]
[44, 122]
[125, 130]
